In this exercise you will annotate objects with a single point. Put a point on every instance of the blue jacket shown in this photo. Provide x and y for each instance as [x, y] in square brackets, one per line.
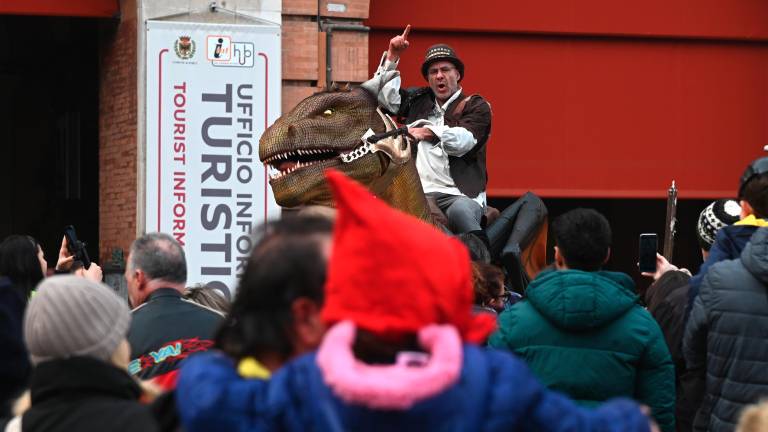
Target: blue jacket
[495, 392]
[729, 242]
[726, 336]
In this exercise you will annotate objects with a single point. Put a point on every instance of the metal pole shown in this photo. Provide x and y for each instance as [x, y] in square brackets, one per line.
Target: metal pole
[328, 28]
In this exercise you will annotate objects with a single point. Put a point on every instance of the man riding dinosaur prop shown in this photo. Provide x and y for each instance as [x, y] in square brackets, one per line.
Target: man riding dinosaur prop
[346, 130]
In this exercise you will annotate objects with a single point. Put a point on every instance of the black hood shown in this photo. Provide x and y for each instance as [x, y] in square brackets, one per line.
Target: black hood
[81, 375]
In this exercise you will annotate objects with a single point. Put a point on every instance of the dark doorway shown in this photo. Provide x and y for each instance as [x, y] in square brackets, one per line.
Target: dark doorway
[49, 96]
[629, 218]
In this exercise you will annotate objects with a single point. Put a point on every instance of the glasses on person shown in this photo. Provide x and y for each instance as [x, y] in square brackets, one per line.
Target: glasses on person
[506, 296]
[444, 70]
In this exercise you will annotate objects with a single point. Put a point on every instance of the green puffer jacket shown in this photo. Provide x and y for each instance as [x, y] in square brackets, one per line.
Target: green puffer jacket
[582, 333]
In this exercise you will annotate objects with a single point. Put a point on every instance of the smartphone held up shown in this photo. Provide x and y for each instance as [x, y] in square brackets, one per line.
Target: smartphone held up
[76, 247]
[649, 244]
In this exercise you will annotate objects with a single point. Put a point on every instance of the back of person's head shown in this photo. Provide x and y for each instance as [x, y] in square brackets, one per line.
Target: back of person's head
[478, 251]
[488, 280]
[716, 215]
[19, 262]
[72, 316]
[160, 257]
[208, 296]
[754, 418]
[288, 263]
[583, 237]
[753, 187]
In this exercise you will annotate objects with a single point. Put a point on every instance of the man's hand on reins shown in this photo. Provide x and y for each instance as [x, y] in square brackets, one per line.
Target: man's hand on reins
[421, 134]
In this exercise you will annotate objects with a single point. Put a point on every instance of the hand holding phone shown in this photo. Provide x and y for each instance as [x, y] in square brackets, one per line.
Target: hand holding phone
[65, 261]
[76, 247]
[649, 244]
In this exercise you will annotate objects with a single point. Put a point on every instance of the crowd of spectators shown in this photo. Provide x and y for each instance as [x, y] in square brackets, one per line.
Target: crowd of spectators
[339, 325]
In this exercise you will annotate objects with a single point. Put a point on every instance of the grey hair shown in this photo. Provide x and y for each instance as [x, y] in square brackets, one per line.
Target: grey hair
[159, 256]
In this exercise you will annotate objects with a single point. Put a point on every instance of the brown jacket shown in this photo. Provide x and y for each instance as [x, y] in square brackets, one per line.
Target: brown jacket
[468, 171]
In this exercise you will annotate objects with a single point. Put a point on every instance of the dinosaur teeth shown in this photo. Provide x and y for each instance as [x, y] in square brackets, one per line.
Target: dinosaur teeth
[273, 172]
[287, 162]
[295, 153]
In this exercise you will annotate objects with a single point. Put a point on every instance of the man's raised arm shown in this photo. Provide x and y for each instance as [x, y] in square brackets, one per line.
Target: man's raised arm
[386, 81]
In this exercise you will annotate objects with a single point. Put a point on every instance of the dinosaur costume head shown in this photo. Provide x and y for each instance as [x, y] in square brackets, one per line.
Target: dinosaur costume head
[326, 131]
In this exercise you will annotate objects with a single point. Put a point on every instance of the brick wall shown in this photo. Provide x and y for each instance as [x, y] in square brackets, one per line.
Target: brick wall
[118, 112]
[304, 47]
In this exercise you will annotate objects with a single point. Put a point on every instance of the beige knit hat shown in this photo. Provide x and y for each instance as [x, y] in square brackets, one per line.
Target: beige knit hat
[73, 316]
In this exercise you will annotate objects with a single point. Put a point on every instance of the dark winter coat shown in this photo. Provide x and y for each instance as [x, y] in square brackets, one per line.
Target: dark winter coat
[582, 333]
[729, 242]
[167, 329]
[667, 300]
[14, 360]
[728, 334]
[467, 171]
[85, 394]
[495, 392]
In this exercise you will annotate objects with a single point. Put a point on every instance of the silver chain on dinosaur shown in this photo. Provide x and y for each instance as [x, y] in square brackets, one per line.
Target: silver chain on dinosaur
[356, 153]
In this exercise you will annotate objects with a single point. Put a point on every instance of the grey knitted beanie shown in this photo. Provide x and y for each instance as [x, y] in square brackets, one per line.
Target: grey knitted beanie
[72, 316]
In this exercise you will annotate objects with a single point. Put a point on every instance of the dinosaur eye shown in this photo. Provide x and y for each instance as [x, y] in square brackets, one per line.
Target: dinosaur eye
[327, 113]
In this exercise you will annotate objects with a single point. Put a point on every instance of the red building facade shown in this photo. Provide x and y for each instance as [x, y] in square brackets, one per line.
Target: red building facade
[603, 99]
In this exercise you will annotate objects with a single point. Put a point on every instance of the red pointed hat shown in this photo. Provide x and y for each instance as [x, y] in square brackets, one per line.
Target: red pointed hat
[392, 274]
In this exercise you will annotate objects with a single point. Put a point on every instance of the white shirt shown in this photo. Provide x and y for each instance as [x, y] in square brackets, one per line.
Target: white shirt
[432, 159]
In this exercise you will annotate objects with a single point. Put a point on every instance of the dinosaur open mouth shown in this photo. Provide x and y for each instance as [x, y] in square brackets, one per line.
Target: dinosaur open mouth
[286, 163]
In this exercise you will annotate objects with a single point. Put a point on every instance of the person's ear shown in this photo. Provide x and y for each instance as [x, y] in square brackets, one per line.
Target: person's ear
[746, 209]
[559, 260]
[607, 257]
[141, 279]
[308, 329]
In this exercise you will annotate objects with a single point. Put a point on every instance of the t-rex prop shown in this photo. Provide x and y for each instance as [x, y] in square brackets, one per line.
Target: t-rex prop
[331, 129]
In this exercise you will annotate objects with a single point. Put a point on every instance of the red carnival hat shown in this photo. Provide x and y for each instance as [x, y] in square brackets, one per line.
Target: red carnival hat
[392, 274]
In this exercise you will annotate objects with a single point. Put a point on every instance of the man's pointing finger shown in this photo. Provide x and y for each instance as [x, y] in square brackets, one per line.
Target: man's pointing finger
[406, 31]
